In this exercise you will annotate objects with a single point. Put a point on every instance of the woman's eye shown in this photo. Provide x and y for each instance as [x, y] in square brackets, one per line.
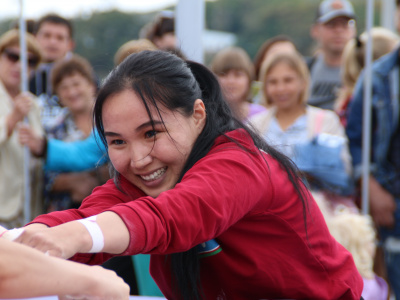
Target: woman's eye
[117, 142]
[150, 134]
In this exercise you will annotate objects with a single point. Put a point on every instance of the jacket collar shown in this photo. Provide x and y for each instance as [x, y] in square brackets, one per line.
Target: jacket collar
[386, 63]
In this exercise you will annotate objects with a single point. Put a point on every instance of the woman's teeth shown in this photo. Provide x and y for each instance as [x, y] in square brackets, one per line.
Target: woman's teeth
[157, 174]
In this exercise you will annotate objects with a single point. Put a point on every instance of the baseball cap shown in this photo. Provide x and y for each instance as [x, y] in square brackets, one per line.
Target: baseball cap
[330, 9]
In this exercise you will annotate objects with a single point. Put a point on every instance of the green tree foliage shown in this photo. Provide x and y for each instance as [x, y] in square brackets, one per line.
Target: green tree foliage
[255, 21]
[99, 37]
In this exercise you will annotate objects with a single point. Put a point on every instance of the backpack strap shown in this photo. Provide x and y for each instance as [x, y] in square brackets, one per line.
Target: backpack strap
[318, 121]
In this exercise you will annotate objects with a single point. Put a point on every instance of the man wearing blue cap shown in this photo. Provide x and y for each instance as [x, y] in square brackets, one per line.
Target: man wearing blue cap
[334, 26]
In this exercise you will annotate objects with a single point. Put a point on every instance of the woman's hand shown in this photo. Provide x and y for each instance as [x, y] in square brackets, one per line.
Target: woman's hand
[98, 283]
[60, 241]
[382, 204]
[67, 239]
[26, 272]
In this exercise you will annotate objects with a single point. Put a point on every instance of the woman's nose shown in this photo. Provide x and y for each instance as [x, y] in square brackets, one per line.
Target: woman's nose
[140, 157]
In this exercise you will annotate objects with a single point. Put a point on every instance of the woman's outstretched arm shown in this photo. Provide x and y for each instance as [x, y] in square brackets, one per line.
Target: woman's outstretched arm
[107, 233]
[26, 272]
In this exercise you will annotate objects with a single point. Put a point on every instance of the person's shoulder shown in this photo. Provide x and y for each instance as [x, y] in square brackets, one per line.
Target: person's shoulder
[310, 61]
[313, 110]
[255, 109]
[3, 91]
[326, 114]
[259, 116]
[236, 136]
[234, 151]
[261, 120]
[232, 144]
[386, 63]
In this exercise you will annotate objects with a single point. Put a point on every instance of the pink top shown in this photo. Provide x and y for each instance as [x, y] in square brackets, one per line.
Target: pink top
[375, 289]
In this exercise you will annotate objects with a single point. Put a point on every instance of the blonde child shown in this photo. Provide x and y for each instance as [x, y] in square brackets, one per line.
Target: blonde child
[356, 233]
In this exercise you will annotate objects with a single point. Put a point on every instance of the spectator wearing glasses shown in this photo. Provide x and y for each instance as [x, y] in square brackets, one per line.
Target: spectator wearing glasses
[334, 26]
[14, 107]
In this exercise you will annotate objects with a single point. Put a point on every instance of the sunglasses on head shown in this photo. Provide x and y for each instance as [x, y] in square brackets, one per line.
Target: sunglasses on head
[14, 57]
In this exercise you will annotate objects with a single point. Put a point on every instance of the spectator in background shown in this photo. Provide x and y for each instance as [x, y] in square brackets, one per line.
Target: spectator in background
[235, 73]
[133, 46]
[277, 44]
[74, 84]
[54, 35]
[162, 31]
[383, 42]
[356, 233]
[289, 121]
[14, 107]
[334, 26]
[384, 178]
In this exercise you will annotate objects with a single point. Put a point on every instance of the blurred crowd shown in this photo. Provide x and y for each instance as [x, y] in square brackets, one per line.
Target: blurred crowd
[308, 107]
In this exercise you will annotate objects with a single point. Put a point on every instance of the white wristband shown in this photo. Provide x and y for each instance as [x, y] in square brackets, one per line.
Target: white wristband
[12, 234]
[95, 233]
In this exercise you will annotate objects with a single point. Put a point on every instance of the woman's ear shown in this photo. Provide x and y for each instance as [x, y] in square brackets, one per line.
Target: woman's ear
[199, 114]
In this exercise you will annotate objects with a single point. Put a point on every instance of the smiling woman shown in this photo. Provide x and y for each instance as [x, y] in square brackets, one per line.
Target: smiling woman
[199, 191]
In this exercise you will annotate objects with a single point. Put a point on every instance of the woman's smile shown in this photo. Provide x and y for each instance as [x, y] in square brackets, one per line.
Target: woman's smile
[154, 175]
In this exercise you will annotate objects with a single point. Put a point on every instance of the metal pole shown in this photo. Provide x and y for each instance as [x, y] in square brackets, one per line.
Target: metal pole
[387, 16]
[189, 27]
[24, 88]
[366, 136]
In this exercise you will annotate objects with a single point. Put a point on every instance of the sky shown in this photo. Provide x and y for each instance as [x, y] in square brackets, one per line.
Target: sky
[70, 8]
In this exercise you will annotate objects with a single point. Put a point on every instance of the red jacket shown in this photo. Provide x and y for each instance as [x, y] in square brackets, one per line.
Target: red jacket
[245, 202]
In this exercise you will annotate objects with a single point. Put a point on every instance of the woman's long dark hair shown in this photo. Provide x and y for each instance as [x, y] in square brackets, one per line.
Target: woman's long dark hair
[159, 77]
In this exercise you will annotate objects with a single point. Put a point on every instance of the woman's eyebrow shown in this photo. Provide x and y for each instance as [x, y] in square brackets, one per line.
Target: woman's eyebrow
[147, 124]
[110, 133]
